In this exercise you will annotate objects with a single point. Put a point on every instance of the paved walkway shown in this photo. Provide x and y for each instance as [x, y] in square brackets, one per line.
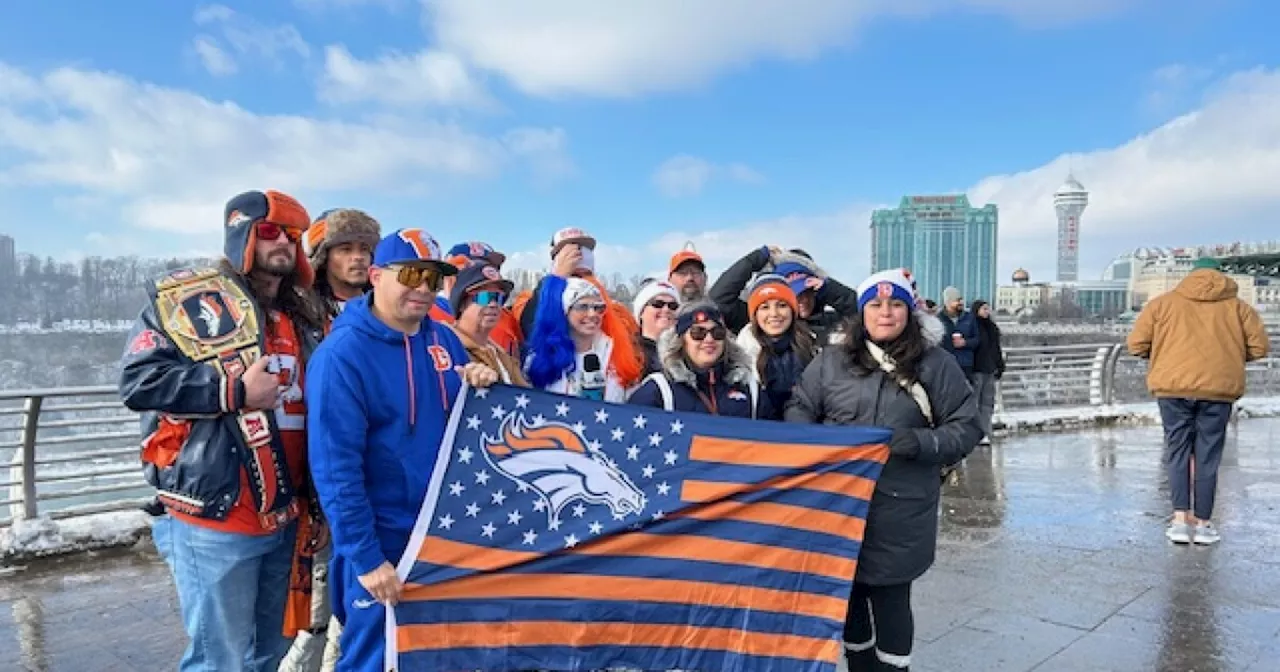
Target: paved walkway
[1052, 559]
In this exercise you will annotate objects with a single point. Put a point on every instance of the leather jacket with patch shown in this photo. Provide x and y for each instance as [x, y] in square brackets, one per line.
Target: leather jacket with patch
[195, 444]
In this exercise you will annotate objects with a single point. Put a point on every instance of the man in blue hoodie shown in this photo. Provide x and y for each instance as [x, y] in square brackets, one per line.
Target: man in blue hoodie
[384, 380]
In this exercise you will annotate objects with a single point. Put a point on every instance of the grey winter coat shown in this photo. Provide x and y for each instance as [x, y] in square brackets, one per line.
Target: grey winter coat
[902, 524]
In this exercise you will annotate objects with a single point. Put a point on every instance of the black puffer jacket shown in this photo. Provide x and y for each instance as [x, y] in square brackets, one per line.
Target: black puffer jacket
[989, 357]
[902, 524]
[727, 387]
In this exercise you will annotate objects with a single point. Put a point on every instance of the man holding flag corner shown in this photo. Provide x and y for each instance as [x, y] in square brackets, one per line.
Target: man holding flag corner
[384, 382]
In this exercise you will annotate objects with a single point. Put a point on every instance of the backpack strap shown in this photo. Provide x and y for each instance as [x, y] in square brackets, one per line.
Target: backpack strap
[664, 388]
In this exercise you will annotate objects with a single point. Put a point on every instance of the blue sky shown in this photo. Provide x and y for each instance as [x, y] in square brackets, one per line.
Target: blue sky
[125, 126]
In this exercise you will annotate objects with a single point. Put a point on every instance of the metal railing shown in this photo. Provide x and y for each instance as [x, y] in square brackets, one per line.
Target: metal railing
[75, 450]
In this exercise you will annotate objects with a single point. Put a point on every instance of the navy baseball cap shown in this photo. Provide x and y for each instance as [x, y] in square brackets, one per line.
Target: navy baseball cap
[475, 251]
[411, 247]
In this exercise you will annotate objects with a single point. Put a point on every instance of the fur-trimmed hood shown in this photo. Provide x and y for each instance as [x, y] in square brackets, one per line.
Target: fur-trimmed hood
[932, 327]
[738, 365]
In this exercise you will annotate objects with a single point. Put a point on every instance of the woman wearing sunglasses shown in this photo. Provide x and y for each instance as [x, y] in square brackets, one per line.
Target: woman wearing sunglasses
[655, 309]
[478, 295]
[703, 371]
[577, 342]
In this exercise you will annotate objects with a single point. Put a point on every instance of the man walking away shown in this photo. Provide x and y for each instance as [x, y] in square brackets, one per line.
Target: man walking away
[988, 366]
[1198, 338]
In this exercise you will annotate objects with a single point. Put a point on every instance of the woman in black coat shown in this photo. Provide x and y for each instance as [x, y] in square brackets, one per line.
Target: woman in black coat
[988, 366]
[888, 373]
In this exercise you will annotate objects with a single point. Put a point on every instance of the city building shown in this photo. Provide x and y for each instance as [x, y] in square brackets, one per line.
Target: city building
[1069, 201]
[8, 257]
[1161, 274]
[1023, 297]
[942, 240]
[1106, 298]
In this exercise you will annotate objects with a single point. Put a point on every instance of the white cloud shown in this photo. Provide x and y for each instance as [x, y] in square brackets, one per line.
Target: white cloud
[324, 5]
[1205, 177]
[428, 76]
[168, 158]
[685, 175]
[218, 62]
[1173, 86]
[245, 38]
[544, 149]
[621, 49]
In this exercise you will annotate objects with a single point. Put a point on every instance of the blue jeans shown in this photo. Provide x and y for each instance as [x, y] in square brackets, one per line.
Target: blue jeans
[1194, 431]
[232, 590]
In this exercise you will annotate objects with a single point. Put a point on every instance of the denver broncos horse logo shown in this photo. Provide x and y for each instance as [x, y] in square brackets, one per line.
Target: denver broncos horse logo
[557, 463]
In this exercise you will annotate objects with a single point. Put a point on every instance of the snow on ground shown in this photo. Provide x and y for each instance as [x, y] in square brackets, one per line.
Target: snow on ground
[43, 536]
[68, 326]
[1047, 419]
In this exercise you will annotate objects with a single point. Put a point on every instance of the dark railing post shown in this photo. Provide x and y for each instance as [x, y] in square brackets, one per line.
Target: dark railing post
[30, 425]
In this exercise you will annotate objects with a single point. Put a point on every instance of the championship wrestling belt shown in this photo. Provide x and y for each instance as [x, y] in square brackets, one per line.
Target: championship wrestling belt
[211, 319]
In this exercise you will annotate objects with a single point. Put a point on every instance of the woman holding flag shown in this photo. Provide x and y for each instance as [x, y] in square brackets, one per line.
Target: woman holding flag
[888, 373]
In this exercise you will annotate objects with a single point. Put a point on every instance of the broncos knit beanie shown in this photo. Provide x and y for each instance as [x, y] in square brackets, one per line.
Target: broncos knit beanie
[769, 286]
[336, 227]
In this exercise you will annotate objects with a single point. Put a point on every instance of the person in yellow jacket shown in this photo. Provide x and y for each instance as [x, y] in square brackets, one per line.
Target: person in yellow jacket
[1198, 338]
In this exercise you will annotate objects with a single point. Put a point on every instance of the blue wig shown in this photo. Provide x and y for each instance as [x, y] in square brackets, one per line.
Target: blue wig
[551, 348]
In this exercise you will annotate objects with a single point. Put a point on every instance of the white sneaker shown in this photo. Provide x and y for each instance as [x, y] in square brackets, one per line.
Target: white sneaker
[1206, 534]
[1179, 533]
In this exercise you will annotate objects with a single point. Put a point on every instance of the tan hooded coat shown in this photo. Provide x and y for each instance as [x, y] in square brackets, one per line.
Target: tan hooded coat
[1199, 337]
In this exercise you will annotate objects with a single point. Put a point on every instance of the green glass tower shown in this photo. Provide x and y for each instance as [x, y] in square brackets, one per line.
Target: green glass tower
[943, 241]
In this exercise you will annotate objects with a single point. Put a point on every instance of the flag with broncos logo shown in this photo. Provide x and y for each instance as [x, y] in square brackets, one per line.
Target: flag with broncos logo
[569, 534]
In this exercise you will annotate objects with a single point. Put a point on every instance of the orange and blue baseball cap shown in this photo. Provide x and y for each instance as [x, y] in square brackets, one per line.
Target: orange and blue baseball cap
[475, 251]
[411, 247]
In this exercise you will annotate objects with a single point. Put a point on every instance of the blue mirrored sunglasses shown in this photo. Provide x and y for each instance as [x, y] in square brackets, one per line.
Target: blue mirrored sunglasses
[489, 296]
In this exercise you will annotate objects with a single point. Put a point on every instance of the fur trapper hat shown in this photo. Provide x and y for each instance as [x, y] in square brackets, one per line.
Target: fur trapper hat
[338, 226]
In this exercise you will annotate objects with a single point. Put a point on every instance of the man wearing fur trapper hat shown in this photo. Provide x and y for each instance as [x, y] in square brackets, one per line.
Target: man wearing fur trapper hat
[217, 365]
[340, 246]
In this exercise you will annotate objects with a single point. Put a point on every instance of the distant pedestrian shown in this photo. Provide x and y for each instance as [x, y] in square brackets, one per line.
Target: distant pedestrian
[1198, 338]
[988, 366]
[962, 335]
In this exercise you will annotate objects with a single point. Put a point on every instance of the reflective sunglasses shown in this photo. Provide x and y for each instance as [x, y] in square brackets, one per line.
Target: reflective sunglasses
[699, 333]
[659, 304]
[489, 296]
[414, 277]
[589, 307]
[271, 231]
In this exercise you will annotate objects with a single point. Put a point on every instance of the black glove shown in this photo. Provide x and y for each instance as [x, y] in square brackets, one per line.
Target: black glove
[904, 443]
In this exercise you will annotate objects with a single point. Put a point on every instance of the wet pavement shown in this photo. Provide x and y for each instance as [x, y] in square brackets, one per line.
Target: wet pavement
[1052, 557]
